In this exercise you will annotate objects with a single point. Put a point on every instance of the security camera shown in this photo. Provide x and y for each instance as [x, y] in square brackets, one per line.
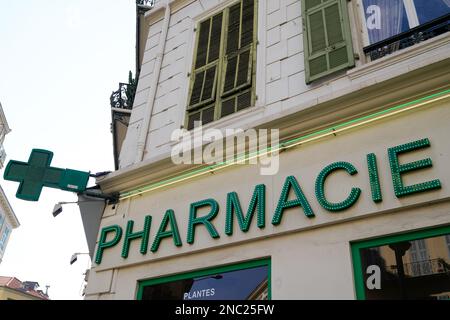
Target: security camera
[73, 258]
[57, 209]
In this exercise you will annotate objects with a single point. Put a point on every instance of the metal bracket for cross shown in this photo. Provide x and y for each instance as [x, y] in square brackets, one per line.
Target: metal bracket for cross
[37, 173]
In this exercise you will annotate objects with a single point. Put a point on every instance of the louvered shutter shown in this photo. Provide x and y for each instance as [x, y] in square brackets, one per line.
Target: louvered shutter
[204, 77]
[238, 65]
[327, 37]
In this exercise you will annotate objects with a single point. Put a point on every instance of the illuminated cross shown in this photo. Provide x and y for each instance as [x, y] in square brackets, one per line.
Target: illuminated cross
[37, 173]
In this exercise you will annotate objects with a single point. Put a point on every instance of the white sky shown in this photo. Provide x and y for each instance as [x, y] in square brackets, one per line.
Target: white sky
[59, 63]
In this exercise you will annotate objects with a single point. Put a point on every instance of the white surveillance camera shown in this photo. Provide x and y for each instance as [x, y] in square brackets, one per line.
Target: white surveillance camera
[57, 209]
[73, 258]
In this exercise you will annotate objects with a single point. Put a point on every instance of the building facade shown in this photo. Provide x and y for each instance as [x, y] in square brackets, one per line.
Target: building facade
[348, 199]
[8, 220]
[12, 288]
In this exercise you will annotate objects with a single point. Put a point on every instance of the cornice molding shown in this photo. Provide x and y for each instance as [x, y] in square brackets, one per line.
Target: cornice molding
[302, 120]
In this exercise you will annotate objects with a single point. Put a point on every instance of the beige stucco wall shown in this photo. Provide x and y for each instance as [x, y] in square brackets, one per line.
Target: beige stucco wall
[310, 257]
[9, 294]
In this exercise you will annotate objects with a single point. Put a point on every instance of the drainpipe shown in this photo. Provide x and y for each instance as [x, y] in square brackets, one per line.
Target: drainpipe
[142, 141]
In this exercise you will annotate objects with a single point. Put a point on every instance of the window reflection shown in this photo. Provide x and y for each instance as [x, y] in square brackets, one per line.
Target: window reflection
[428, 10]
[245, 284]
[418, 269]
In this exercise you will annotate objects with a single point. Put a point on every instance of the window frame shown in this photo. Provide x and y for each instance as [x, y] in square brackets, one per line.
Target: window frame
[221, 65]
[385, 240]
[141, 284]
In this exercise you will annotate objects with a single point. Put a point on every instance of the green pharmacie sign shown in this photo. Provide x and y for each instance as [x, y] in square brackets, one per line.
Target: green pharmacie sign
[169, 229]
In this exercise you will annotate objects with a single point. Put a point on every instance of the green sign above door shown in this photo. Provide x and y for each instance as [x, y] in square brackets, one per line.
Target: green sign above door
[37, 173]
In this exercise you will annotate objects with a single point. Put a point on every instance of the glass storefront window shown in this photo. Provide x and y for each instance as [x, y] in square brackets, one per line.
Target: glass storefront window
[247, 281]
[412, 266]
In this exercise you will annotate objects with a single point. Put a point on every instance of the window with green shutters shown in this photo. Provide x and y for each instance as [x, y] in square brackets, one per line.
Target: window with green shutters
[222, 78]
[327, 38]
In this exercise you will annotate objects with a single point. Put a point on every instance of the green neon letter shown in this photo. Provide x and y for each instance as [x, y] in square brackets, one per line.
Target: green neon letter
[102, 244]
[320, 187]
[374, 179]
[397, 169]
[284, 203]
[193, 220]
[129, 236]
[173, 232]
[233, 205]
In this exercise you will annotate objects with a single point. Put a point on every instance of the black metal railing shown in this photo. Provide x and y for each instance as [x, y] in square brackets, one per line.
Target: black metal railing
[408, 38]
[144, 5]
[123, 98]
[149, 3]
[425, 267]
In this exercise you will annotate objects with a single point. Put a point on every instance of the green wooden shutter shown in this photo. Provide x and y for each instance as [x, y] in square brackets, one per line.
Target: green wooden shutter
[327, 38]
[238, 60]
[204, 76]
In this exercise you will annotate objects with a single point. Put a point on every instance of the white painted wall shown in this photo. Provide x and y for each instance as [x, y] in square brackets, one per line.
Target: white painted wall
[280, 83]
[310, 257]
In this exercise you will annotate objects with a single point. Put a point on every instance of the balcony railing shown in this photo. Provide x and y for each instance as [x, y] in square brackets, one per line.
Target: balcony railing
[123, 98]
[408, 38]
[423, 268]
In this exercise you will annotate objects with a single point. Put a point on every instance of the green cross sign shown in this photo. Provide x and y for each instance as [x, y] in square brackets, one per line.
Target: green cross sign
[37, 173]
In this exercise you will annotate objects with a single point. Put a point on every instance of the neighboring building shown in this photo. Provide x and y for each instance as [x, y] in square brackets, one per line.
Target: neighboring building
[360, 204]
[8, 219]
[12, 288]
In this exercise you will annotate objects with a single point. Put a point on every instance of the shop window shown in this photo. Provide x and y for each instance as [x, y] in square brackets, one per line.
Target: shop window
[391, 25]
[410, 266]
[246, 281]
[327, 38]
[222, 78]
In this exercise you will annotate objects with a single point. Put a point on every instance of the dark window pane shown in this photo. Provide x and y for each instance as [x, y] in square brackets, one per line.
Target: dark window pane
[192, 118]
[197, 88]
[214, 45]
[230, 74]
[209, 83]
[428, 10]
[246, 284]
[244, 100]
[416, 269]
[207, 115]
[233, 28]
[202, 43]
[243, 71]
[228, 107]
[247, 23]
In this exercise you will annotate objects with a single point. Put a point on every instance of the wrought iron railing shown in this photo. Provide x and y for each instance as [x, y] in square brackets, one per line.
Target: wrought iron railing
[408, 38]
[149, 3]
[123, 98]
[423, 268]
[144, 5]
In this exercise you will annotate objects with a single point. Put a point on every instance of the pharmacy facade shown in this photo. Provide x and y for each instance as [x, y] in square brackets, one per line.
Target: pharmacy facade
[360, 204]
